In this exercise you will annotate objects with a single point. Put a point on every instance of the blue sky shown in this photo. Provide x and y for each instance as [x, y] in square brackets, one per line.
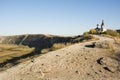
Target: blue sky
[58, 17]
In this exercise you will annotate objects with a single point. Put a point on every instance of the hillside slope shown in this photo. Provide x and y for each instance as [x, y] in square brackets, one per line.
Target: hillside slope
[75, 62]
[39, 42]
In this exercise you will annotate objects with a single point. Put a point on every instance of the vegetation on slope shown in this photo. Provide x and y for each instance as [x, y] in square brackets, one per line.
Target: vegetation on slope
[113, 34]
[110, 33]
[56, 46]
[9, 52]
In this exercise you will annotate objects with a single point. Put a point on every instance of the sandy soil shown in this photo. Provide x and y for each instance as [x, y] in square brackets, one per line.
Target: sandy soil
[75, 62]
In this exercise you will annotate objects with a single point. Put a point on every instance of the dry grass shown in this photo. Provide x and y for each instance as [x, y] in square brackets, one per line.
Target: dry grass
[114, 34]
[117, 40]
[60, 45]
[55, 47]
[9, 51]
[45, 50]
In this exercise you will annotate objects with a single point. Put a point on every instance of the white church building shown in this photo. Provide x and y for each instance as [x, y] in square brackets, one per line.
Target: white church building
[101, 28]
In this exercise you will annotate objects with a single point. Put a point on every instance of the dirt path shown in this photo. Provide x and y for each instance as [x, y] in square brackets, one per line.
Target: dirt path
[75, 62]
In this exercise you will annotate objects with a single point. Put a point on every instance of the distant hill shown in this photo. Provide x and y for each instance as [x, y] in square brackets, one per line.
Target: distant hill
[40, 41]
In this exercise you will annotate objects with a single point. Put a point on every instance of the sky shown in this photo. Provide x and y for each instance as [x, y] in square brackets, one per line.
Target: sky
[57, 17]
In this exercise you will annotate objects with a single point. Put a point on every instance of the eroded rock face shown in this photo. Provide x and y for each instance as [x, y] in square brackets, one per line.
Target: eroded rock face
[109, 64]
[104, 45]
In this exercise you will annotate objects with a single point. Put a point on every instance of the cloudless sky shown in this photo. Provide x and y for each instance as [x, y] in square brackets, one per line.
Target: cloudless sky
[58, 17]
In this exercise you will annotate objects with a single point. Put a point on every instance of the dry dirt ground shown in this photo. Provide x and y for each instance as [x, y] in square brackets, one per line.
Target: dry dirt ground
[75, 62]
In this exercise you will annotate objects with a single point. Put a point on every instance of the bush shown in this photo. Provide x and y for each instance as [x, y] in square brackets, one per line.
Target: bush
[86, 33]
[112, 33]
[92, 31]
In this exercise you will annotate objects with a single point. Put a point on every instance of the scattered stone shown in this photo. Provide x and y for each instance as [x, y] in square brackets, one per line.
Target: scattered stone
[85, 58]
[57, 55]
[96, 73]
[100, 71]
[88, 73]
[32, 60]
[112, 64]
[91, 66]
[42, 64]
[77, 72]
[106, 68]
[90, 45]
[99, 61]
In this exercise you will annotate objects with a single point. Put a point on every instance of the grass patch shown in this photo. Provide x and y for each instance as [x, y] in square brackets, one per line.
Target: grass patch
[45, 50]
[10, 51]
[55, 47]
[60, 45]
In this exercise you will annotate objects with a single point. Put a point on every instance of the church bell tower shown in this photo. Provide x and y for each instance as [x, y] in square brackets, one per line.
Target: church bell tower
[103, 29]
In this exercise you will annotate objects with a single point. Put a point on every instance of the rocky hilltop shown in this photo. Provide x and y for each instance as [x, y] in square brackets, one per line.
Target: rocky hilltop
[94, 60]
